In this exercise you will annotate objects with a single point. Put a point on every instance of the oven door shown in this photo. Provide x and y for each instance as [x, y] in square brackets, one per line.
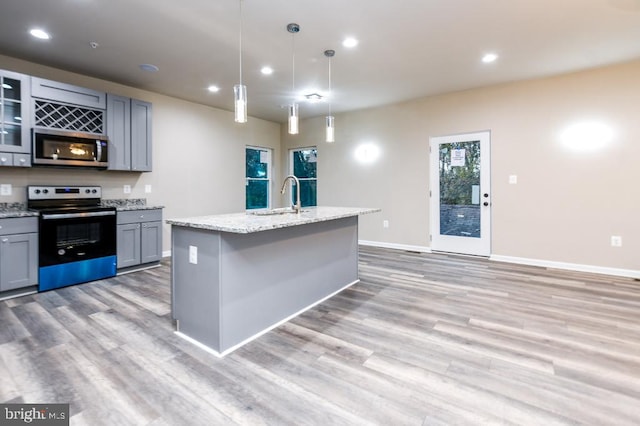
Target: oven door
[76, 246]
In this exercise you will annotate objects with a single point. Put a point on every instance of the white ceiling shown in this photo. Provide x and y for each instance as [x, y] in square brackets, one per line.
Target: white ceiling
[408, 48]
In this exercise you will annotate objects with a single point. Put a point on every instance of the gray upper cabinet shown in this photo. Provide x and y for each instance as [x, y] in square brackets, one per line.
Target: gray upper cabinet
[67, 93]
[141, 135]
[18, 253]
[129, 131]
[119, 132]
[15, 119]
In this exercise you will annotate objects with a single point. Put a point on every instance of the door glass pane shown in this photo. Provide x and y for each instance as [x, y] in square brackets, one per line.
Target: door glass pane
[10, 89]
[459, 168]
[11, 112]
[257, 194]
[10, 135]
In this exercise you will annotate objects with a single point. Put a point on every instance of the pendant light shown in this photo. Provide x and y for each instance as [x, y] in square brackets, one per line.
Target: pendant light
[240, 90]
[293, 108]
[330, 129]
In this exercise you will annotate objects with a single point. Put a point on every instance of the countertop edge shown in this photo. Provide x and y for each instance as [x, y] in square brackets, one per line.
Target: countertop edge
[264, 223]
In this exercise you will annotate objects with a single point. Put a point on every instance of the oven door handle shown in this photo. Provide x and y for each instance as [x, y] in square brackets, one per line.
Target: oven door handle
[47, 216]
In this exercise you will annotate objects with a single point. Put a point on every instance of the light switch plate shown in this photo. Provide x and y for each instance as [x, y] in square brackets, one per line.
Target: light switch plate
[5, 189]
[147, 189]
[513, 179]
[127, 189]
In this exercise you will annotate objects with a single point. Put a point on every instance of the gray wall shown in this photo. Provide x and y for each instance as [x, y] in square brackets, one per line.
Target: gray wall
[198, 154]
[566, 204]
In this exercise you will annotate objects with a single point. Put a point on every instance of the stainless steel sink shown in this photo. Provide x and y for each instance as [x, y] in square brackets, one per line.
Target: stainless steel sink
[275, 212]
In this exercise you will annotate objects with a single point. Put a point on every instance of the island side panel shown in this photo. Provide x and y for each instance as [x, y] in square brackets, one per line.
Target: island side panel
[268, 276]
[196, 287]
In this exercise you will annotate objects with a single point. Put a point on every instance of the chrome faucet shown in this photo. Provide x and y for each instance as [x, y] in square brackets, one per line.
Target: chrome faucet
[297, 206]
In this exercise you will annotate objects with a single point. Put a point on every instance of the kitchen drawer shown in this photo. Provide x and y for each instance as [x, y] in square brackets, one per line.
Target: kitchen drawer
[22, 160]
[137, 216]
[18, 225]
[6, 159]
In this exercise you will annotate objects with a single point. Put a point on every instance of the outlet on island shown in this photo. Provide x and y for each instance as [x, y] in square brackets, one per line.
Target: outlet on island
[193, 255]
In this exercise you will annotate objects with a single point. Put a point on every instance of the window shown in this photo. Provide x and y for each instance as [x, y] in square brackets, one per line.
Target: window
[303, 165]
[258, 178]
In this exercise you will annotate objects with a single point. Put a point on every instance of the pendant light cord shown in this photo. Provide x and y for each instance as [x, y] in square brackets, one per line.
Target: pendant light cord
[330, 94]
[241, 42]
[293, 64]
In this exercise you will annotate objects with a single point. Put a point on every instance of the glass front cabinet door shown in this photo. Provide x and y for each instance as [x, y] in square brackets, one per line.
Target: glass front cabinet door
[15, 145]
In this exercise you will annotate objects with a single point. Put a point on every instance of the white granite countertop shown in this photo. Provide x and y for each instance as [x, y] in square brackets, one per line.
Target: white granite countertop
[246, 223]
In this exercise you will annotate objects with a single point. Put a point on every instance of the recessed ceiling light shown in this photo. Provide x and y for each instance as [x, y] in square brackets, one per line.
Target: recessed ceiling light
[213, 89]
[41, 34]
[350, 42]
[149, 68]
[489, 57]
[266, 70]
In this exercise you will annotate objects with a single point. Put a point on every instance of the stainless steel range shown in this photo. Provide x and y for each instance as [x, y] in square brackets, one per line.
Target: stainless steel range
[77, 236]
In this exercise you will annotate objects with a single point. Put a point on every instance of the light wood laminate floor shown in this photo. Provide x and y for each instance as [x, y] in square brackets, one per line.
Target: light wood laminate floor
[423, 339]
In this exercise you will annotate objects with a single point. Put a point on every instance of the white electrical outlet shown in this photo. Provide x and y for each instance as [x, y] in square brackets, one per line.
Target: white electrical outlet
[385, 223]
[616, 241]
[147, 189]
[193, 255]
[513, 179]
[127, 189]
[5, 189]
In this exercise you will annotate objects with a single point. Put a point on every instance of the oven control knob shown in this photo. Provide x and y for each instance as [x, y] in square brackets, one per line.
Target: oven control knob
[37, 191]
[87, 191]
[94, 190]
[46, 191]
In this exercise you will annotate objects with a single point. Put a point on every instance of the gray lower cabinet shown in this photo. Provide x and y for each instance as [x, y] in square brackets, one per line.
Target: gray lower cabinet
[129, 131]
[139, 237]
[18, 253]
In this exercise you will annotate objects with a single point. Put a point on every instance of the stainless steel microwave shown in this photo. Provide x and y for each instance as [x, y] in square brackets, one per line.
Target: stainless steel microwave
[69, 149]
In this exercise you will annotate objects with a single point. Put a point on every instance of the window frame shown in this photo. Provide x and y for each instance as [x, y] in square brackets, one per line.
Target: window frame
[291, 170]
[268, 179]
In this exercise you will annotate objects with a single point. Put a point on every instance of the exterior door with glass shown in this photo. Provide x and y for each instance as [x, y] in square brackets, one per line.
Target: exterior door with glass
[460, 193]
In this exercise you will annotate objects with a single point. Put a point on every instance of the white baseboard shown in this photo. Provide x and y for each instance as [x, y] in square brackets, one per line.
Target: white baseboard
[630, 273]
[420, 249]
[166, 253]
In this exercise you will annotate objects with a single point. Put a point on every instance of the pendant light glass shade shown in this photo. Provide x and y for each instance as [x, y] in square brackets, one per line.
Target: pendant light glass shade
[240, 90]
[293, 119]
[240, 103]
[330, 126]
[293, 107]
[330, 129]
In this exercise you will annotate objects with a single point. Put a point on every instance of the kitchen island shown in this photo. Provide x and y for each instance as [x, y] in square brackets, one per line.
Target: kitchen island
[237, 276]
